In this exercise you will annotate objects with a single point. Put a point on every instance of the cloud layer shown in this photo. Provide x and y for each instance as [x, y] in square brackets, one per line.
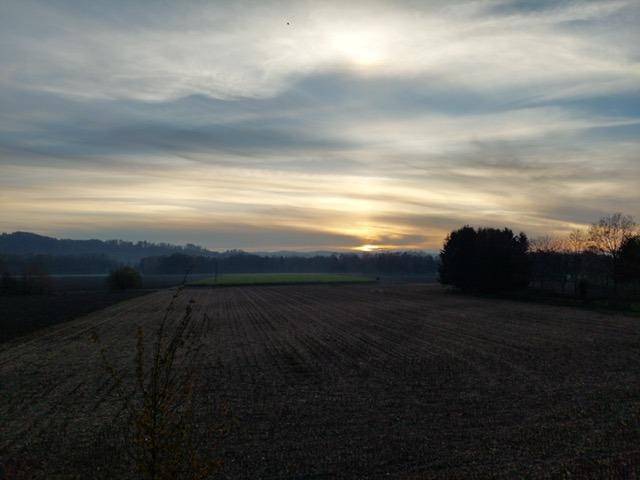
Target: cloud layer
[268, 125]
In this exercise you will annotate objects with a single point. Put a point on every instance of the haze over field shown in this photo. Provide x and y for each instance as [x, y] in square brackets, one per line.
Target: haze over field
[316, 125]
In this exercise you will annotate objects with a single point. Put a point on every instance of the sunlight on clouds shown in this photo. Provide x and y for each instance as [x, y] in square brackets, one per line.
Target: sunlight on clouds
[366, 125]
[232, 51]
[368, 248]
[202, 199]
[365, 48]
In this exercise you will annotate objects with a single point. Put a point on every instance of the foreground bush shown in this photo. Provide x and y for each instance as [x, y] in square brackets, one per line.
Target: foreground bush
[485, 260]
[124, 278]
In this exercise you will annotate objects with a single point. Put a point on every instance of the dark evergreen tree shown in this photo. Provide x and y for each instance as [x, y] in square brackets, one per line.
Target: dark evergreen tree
[627, 268]
[485, 260]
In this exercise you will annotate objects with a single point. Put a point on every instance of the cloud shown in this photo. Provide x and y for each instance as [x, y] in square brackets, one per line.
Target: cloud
[247, 50]
[374, 122]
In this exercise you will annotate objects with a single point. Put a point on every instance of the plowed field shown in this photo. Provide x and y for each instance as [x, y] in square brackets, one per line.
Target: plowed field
[352, 382]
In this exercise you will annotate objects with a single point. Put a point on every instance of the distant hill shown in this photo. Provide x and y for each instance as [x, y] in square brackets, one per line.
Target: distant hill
[328, 253]
[26, 243]
[29, 244]
[20, 251]
[295, 253]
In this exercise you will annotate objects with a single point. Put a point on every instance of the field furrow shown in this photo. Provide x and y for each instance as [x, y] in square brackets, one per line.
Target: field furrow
[349, 382]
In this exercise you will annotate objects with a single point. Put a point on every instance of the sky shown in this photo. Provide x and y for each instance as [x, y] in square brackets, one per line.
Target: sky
[316, 125]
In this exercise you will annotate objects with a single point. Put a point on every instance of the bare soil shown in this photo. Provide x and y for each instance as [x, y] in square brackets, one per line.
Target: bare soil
[350, 382]
[24, 314]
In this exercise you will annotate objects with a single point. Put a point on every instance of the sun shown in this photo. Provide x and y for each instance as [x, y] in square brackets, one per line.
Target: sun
[363, 48]
[368, 247]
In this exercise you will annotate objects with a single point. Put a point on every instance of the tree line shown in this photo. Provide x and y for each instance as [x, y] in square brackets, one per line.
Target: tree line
[407, 263]
[387, 263]
[30, 273]
[58, 264]
[602, 260]
[27, 243]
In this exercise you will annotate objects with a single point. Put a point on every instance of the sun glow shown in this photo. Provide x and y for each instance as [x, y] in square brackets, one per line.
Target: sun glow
[368, 247]
[364, 48]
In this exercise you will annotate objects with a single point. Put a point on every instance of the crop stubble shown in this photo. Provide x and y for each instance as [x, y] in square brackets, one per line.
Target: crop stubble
[353, 381]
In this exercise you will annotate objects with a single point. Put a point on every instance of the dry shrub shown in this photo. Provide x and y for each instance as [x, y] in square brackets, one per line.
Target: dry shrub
[162, 438]
[124, 278]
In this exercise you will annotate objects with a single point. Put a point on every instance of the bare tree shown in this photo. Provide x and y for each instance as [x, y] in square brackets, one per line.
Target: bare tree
[608, 235]
[610, 232]
[545, 251]
[546, 244]
[575, 245]
[577, 241]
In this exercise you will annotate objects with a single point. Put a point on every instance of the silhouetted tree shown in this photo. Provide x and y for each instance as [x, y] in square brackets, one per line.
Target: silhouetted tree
[627, 268]
[124, 278]
[25, 243]
[548, 261]
[387, 263]
[576, 243]
[485, 260]
[610, 233]
[608, 236]
[60, 264]
[458, 258]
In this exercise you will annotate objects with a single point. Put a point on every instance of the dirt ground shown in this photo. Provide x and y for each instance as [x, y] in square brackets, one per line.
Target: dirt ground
[71, 296]
[23, 314]
[350, 382]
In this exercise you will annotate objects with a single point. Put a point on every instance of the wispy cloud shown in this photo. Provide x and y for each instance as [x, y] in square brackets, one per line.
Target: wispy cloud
[316, 124]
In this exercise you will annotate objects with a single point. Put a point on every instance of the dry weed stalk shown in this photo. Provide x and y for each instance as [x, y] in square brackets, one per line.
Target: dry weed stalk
[161, 434]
